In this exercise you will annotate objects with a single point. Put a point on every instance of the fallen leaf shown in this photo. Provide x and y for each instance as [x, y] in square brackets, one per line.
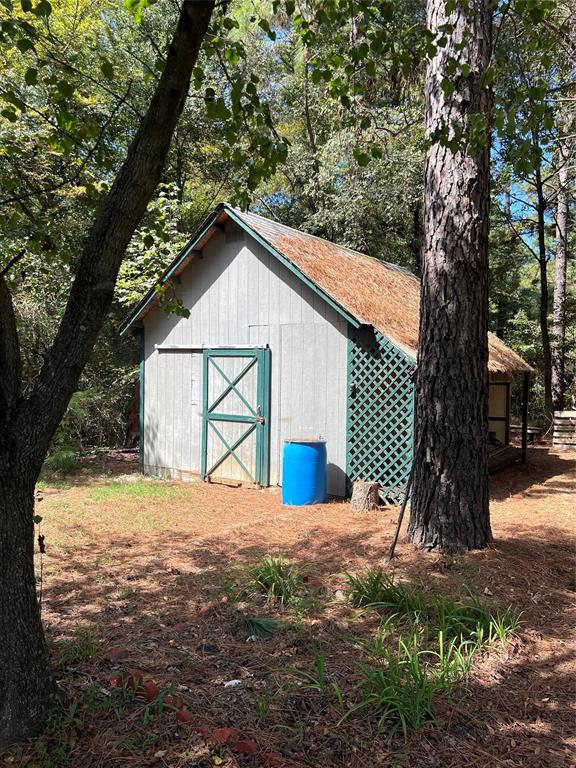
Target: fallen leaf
[184, 717]
[225, 735]
[149, 691]
[245, 747]
[271, 759]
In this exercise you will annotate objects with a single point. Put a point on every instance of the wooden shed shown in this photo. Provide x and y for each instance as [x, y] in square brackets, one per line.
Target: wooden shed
[288, 336]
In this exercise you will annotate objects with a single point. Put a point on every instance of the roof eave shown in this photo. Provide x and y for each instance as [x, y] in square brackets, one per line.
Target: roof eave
[179, 263]
[175, 267]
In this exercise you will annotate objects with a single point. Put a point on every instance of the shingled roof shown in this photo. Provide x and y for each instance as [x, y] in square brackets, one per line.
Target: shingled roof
[370, 291]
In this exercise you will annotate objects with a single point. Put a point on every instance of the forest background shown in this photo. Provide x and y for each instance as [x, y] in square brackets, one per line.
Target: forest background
[326, 141]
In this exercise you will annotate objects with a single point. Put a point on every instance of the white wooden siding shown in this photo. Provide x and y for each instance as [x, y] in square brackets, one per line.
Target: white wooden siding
[239, 294]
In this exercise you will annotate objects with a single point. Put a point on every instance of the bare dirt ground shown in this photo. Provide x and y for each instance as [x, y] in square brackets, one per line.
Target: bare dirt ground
[144, 579]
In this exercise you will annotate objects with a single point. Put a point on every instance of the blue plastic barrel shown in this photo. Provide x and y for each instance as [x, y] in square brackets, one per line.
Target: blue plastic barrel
[304, 472]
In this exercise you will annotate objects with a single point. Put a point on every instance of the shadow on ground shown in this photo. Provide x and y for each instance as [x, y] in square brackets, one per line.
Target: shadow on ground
[151, 600]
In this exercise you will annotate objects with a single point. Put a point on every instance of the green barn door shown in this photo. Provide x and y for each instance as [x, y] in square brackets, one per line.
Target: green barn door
[235, 414]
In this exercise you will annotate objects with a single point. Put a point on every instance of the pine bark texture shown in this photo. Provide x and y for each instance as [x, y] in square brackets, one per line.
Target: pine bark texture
[450, 509]
[559, 308]
[28, 425]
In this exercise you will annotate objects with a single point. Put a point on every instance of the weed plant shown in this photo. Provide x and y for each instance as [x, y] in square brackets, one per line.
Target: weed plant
[280, 581]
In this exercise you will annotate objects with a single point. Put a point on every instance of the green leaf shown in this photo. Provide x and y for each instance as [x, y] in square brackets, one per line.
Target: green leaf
[11, 98]
[107, 69]
[65, 88]
[43, 8]
[137, 6]
[9, 114]
[263, 24]
[37, 519]
[232, 57]
[31, 76]
[25, 44]
[361, 157]
[371, 69]
[447, 86]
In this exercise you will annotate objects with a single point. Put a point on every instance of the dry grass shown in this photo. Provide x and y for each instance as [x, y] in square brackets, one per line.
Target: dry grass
[147, 576]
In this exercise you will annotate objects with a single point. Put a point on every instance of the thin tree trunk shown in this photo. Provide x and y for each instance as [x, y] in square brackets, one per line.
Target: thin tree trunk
[559, 308]
[450, 499]
[544, 295]
[27, 426]
[312, 145]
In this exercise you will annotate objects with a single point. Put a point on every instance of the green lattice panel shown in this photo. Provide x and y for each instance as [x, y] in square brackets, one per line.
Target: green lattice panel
[380, 414]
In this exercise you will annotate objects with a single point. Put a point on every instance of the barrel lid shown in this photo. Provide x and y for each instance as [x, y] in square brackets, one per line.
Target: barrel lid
[304, 440]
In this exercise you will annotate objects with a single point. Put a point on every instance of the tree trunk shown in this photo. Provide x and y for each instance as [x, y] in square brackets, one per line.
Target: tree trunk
[27, 426]
[364, 496]
[27, 690]
[544, 297]
[559, 309]
[450, 499]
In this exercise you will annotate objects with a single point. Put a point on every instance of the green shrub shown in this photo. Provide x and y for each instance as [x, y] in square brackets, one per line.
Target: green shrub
[60, 462]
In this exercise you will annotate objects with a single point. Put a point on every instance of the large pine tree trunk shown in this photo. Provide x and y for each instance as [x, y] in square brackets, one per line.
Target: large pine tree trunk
[559, 309]
[26, 686]
[27, 425]
[450, 498]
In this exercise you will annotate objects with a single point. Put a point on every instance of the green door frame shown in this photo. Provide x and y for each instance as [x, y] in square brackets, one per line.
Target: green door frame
[256, 420]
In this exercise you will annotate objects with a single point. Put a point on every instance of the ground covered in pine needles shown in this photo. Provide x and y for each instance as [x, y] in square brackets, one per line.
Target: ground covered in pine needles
[176, 645]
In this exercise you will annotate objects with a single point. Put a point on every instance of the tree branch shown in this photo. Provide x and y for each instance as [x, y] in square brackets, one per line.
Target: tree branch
[13, 261]
[518, 234]
[10, 360]
[93, 287]
[83, 164]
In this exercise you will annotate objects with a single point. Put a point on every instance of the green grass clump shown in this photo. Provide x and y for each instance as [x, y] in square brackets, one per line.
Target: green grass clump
[375, 589]
[261, 627]
[276, 578]
[83, 647]
[437, 639]
[471, 622]
[399, 691]
[141, 489]
[314, 680]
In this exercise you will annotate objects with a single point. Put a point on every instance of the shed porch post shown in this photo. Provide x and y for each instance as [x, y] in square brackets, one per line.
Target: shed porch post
[525, 391]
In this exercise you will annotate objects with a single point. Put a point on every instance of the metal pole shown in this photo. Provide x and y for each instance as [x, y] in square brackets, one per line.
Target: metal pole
[400, 516]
